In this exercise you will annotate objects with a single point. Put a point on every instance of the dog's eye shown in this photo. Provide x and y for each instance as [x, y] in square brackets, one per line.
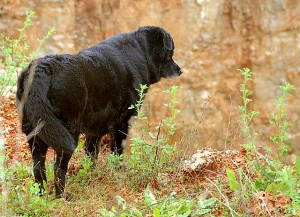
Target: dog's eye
[167, 59]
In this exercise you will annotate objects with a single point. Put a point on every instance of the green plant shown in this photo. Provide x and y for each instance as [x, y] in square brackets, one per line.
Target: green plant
[161, 207]
[20, 196]
[170, 121]
[29, 202]
[85, 171]
[114, 161]
[3, 178]
[282, 125]
[273, 175]
[80, 159]
[150, 154]
[204, 206]
[274, 166]
[278, 177]
[17, 53]
[232, 181]
[248, 114]
[138, 105]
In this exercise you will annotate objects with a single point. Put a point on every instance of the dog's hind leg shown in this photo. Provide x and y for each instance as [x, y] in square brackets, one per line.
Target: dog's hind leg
[38, 150]
[92, 148]
[60, 171]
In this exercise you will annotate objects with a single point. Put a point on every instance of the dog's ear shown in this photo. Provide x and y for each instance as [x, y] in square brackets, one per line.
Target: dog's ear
[168, 42]
[158, 34]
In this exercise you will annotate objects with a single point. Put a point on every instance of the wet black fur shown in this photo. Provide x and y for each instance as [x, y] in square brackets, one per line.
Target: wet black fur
[89, 93]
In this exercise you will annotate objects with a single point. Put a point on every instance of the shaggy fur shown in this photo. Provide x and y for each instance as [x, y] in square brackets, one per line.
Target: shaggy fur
[61, 96]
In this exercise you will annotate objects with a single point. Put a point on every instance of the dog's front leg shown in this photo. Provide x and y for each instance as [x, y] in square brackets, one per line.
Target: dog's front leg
[92, 148]
[118, 135]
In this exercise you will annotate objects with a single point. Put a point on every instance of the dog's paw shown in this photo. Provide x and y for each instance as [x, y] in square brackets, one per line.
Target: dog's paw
[67, 196]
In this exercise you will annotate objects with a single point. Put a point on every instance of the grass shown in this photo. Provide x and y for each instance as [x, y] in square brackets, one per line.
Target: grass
[149, 180]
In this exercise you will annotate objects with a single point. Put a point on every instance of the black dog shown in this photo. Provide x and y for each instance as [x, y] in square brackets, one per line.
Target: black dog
[61, 96]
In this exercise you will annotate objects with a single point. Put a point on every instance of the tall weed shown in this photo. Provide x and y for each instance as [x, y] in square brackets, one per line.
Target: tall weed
[16, 53]
[151, 154]
[271, 174]
[247, 114]
[280, 137]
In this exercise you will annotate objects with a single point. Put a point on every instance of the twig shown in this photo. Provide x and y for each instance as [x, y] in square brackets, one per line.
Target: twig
[192, 136]
[156, 148]
[228, 125]
[232, 212]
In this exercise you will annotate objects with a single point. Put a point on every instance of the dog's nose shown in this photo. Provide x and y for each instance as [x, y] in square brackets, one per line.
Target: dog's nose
[180, 71]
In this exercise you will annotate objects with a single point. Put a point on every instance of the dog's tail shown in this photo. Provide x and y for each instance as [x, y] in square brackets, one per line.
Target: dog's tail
[35, 109]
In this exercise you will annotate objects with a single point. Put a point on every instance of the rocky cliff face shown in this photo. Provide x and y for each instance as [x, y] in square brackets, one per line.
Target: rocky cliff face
[213, 39]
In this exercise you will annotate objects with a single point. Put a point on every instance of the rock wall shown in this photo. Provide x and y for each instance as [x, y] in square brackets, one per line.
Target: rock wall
[213, 39]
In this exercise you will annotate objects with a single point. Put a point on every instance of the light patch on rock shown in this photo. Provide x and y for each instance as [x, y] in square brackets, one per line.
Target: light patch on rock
[199, 159]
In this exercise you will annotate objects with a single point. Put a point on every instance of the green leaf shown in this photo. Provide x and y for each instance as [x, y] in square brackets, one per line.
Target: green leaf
[131, 107]
[233, 184]
[260, 184]
[113, 209]
[135, 212]
[121, 202]
[275, 187]
[297, 164]
[149, 197]
[201, 212]
[185, 208]
[106, 213]
[186, 214]
[156, 212]
[209, 202]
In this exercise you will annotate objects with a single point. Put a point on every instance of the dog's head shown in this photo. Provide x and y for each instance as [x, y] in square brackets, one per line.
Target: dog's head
[161, 49]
